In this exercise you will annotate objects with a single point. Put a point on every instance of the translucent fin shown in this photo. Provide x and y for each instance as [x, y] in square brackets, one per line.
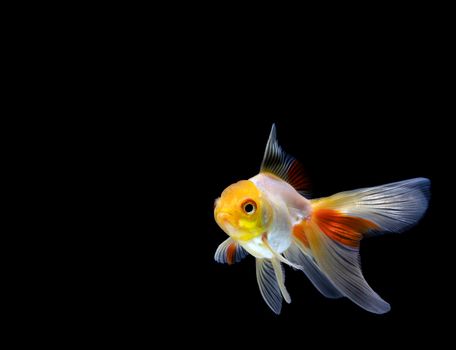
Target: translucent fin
[339, 222]
[229, 252]
[341, 265]
[269, 287]
[345, 229]
[280, 275]
[296, 255]
[393, 207]
[282, 165]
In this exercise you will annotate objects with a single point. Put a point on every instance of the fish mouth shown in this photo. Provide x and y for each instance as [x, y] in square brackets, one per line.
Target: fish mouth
[226, 222]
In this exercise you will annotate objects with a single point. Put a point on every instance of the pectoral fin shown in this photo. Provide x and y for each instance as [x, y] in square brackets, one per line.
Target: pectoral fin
[229, 252]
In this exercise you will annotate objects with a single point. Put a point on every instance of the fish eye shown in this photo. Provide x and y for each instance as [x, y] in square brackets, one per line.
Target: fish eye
[249, 207]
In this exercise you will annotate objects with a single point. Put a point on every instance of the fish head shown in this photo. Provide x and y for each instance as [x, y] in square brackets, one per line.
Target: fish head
[242, 212]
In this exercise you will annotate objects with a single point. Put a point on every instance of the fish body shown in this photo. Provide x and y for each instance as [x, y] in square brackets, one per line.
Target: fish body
[268, 217]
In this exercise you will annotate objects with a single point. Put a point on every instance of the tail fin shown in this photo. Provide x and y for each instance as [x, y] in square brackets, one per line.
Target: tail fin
[393, 207]
[339, 222]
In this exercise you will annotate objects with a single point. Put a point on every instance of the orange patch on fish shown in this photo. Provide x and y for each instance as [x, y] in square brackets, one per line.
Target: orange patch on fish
[296, 177]
[300, 234]
[344, 229]
[231, 253]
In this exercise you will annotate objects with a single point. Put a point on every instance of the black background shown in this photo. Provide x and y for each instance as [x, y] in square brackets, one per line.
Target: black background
[176, 134]
[162, 263]
[139, 120]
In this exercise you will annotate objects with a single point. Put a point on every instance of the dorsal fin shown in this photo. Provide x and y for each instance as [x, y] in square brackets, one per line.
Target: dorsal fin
[282, 165]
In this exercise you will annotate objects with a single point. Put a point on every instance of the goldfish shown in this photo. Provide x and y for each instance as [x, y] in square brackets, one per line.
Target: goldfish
[269, 217]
